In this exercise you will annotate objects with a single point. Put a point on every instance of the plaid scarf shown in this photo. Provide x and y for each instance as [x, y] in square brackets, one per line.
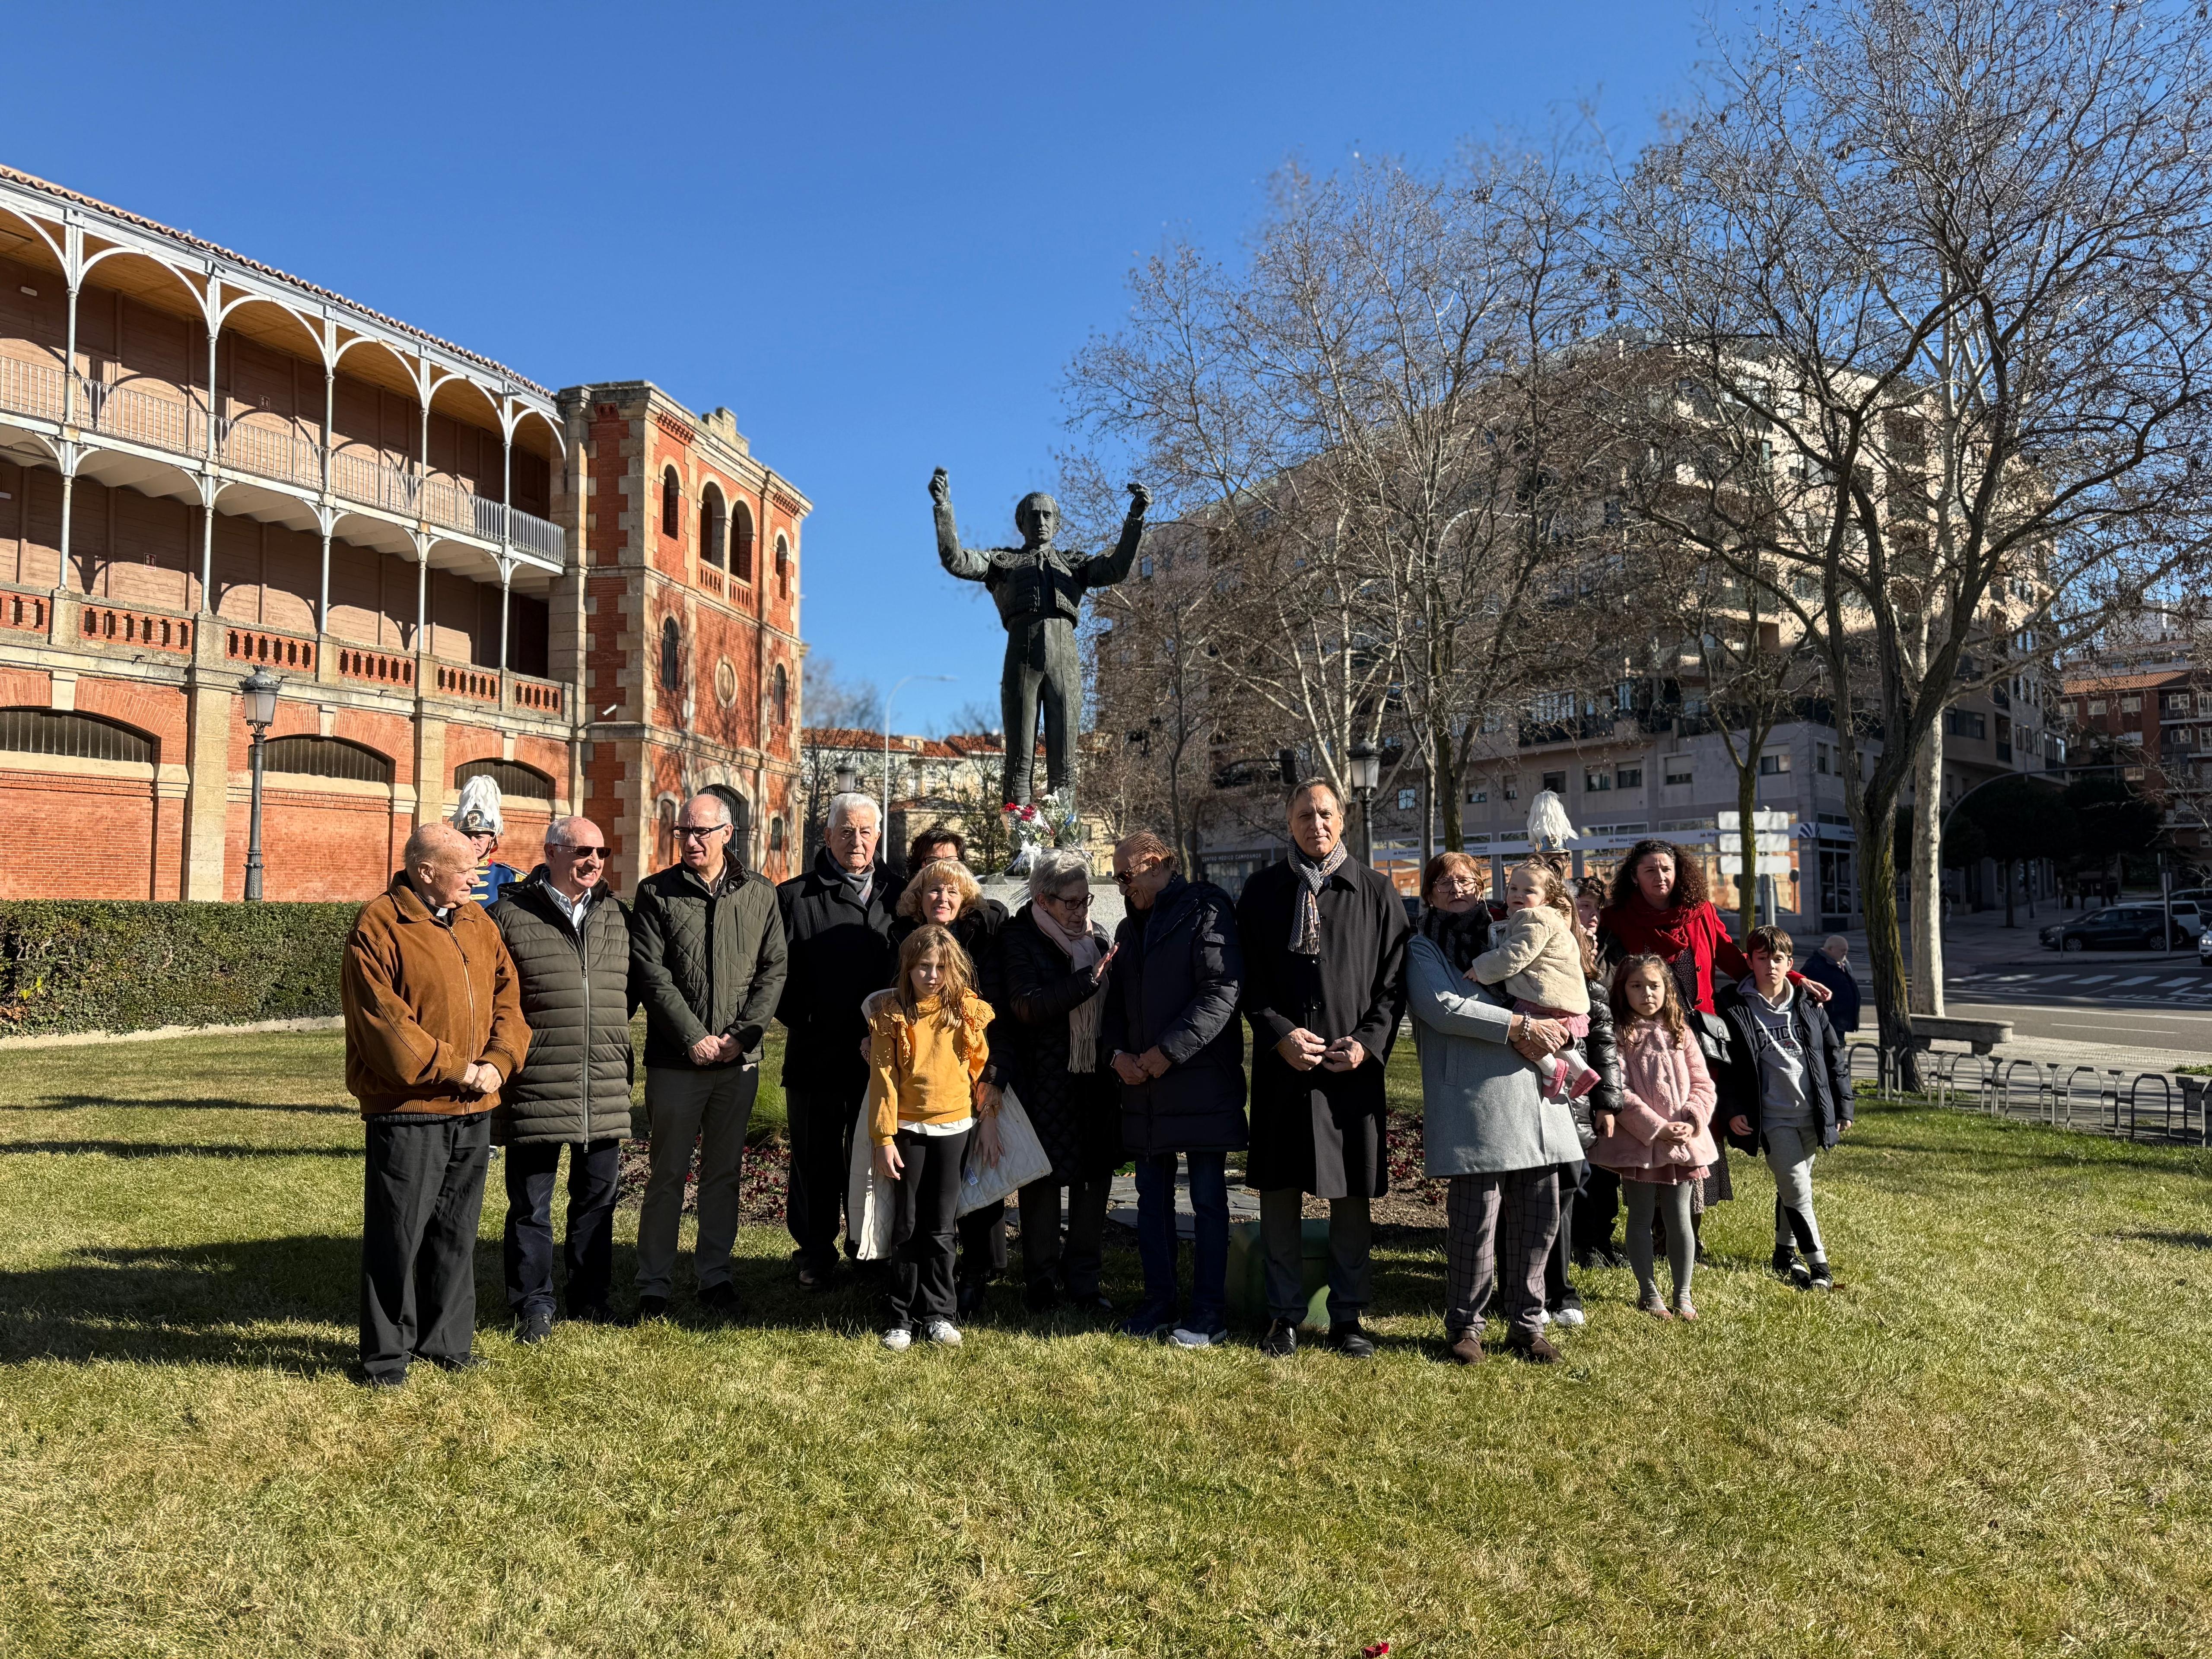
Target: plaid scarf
[1305, 925]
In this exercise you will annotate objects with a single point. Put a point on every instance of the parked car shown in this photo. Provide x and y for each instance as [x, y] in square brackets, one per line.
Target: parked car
[2125, 928]
[2204, 949]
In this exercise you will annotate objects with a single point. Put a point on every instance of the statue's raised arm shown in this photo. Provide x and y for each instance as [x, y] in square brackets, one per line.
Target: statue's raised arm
[967, 563]
[1107, 568]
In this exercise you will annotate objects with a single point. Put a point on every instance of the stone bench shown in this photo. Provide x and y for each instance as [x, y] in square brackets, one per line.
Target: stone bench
[1983, 1034]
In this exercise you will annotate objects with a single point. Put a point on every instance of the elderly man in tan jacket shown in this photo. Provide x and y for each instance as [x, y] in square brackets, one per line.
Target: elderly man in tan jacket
[433, 1028]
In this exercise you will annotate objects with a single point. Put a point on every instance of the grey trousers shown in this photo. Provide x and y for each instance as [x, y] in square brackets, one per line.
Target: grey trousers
[1350, 1239]
[1672, 1201]
[1042, 665]
[712, 1107]
[1514, 1216]
[1790, 1155]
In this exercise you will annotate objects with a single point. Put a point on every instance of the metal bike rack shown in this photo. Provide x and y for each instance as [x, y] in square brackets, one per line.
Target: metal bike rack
[2165, 1088]
[2068, 1086]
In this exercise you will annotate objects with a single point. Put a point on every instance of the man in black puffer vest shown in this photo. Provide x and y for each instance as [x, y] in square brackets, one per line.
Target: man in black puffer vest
[707, 950]
[569, 938]
[838, 918]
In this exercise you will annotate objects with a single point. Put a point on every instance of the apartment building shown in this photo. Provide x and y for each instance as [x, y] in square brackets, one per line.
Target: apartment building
[208, 466]
[2147, 710]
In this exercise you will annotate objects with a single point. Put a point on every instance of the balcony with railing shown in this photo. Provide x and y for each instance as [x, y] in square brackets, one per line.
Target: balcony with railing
[177, 425]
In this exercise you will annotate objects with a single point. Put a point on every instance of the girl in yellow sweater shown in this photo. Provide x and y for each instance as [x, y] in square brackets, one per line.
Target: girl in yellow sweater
[925, 1052]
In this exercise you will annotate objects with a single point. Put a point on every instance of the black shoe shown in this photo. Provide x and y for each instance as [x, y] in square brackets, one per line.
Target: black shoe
[1818, 1276]
[1281, 1341]
[449, 1362]
[1351, 1341]
[380, 1379]
[1041, 1296]
[593, 1313]
[1093, 1305]
[1613, 1258]
[536, 1325]
[720, 1299]
[1585, 1258]
[650, 1307]
[1147, 1322]
[967, 1300]
[812, 1275]
[1785, 1262]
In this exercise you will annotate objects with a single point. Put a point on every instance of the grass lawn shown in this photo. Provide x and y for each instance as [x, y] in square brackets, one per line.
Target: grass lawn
[1991, 1440]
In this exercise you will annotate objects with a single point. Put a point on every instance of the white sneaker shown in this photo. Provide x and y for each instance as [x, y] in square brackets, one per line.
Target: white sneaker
[898, 1339]
[942, 1332]
[1569, 1318]
[1184, 1337]
[1543, 1318]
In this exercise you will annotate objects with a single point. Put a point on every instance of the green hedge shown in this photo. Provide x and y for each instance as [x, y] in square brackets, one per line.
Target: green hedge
[83, 965]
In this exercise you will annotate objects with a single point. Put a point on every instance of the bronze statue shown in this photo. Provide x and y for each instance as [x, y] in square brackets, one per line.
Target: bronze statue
[1039, 590]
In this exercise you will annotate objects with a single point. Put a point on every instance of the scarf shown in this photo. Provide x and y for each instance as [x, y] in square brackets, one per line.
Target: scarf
[1680, 936]
[856, 882]
[1305, 925]
[1462, 936]
[1083, 954]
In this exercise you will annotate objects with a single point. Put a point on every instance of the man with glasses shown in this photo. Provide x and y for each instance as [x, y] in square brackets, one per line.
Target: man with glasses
[707, 959]
[837, 918]
[569, 938]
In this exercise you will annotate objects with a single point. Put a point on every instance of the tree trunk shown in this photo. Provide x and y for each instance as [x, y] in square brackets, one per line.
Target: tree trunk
[1447, 787]
[1877, 836]
[1927, 897]
[1747, 806]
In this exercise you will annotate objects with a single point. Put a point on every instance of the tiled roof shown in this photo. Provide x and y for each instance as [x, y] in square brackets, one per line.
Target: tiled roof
[966, 745]
[46, 187]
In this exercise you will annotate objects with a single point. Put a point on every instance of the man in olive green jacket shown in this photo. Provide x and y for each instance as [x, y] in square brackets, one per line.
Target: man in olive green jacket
[707, 962]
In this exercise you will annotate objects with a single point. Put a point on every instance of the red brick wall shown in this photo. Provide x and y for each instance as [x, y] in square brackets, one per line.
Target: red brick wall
[76, 836]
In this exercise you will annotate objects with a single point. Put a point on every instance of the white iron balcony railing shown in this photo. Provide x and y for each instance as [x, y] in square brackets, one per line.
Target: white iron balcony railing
[171, 422]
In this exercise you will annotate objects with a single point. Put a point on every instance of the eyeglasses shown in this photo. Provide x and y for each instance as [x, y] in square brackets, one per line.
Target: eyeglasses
[1072, 900]
[1123, 878]
[699, 832]
[582, 852]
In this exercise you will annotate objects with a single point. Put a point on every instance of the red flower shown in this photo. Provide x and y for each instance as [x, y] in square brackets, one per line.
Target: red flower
[1375, 1649]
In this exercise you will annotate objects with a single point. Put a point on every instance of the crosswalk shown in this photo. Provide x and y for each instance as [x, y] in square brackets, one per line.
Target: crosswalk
[2190, 990]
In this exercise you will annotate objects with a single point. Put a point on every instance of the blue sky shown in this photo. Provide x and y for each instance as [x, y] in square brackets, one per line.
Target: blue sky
[877, 233]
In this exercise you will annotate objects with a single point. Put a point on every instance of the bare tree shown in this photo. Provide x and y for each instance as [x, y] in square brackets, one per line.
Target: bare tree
[1931, 277]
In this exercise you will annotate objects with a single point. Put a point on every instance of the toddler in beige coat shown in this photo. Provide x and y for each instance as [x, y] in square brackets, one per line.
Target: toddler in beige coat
[1539, 964]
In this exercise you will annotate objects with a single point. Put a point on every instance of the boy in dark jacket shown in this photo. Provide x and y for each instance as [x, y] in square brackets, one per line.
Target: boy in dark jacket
[1785, 1089]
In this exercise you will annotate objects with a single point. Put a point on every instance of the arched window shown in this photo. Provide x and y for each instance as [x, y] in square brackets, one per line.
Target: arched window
[663, 827]
[671, 504]
[711, 520]
[782, 566]
[512, 777]
[778, 696]
[672, 656]
[741, 543]
[327, 757]
[72, 737]
[776, 834]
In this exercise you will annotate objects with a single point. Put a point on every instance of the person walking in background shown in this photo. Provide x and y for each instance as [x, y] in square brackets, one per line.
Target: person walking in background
[708, 955]
[1054, 962]
[1324, 941]
[1785, 1089]
[476, 816]
[434, 1029]
[1489, 1129]
[926, 1052]
[943, 893]
[1662, 1143]
[1829, 967]
[1169, 1032]
[836, 923]
[569, 939]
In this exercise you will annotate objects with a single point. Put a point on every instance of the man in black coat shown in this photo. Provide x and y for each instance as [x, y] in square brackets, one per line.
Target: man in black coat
[569, 938]
[1831, 965]
[837, 924]
[1324, 941]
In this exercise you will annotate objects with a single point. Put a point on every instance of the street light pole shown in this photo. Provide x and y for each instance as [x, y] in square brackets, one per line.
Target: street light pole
[1366, 771]
[260, 691]
[884, 825]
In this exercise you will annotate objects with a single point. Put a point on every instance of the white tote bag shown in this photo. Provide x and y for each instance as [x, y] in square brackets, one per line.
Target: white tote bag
[1021, 1160]
[868, 1201]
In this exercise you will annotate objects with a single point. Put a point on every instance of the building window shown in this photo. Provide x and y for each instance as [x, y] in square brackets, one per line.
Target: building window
[1554, 781]
[1824, 759]
[782, 567]
[1965, 723]
[2131, 705]
[1628, 777]
[1596, 779]
[1773, 763]
[1512, 791]
[741, 543]
[671, 504]
[663, 831]
[1145, 567]
[1679, 770]
[712, 518]
[1478, 797]
[72, 737]
[2096, 705]
[778, 696]
[327, 757]
[512, 777]
[672, 656]
[775, 833]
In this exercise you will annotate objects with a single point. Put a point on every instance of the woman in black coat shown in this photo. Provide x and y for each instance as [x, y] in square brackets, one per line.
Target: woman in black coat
[946, 892]
[1169, 1032]
[1053, 1059]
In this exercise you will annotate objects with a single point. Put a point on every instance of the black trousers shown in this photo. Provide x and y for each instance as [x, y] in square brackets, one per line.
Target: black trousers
[982, 1233]
[595, 1173]
[928, 1194]
[1079, 1262]
[1595, 1206]
[422, 1197]
[1558, 1287]
[821, 1122]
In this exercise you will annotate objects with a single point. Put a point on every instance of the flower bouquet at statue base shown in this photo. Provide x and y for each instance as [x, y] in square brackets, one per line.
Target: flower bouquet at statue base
[1030, 828]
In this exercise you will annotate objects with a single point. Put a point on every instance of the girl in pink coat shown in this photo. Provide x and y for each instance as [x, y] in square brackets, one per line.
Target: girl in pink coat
[1662, 1143]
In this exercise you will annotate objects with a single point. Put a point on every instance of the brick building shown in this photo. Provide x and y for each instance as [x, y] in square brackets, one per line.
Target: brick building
[207, 466]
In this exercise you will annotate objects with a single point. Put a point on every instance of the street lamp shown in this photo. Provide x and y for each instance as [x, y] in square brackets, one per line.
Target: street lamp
[848, 777]
[884, 825]
[260, 690]
[1367, 773]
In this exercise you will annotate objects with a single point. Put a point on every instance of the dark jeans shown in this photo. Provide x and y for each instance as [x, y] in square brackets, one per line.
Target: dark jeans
[821, 1123]
[922, 1206]
[1350, 1246]
[1079, 1262]
[1560, 1291]
[421, 1196]
[1157, 1244]
[595, 1173]
[1595, 1206]
[983, 1235]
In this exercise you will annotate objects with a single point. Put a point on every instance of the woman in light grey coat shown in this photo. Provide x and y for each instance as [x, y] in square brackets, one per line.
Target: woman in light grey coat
[1488, 1129]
